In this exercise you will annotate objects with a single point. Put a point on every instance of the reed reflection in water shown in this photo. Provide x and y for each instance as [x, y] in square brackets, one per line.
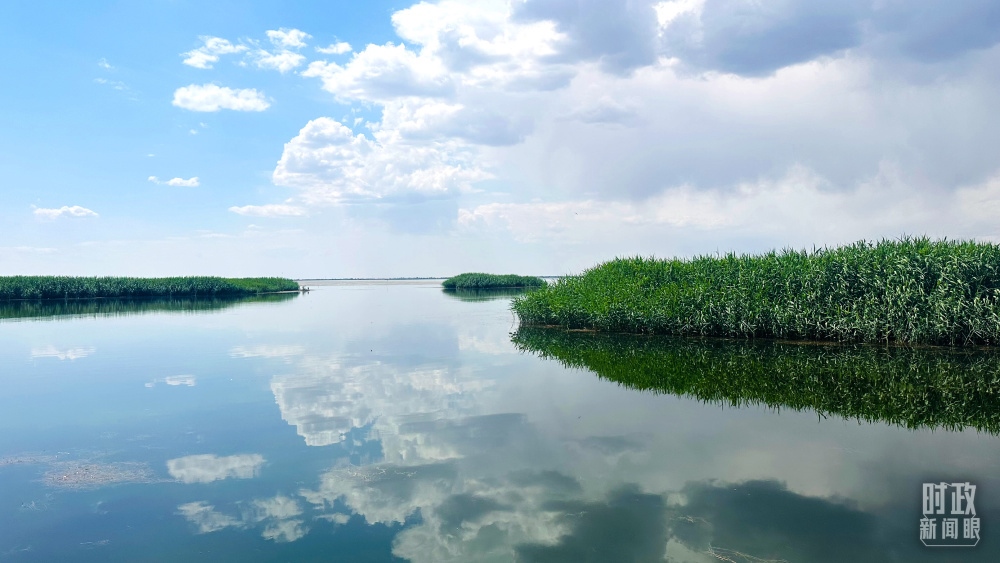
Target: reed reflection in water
[43, 309]
[912, 387]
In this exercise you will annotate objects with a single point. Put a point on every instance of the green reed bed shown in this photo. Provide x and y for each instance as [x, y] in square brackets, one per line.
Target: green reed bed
[913, 291]
[476, 280]
[66, 287]
[951, 388]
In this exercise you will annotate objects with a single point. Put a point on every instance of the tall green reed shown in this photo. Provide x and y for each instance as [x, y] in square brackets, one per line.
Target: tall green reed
[911, 290]
[477, 280]
[64, 287]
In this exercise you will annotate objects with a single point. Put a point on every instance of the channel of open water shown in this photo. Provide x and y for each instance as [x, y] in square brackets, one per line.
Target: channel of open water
[379, 421]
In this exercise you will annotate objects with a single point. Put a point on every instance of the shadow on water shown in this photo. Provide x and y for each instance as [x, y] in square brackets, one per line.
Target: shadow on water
[485, 294]
[912, 387]
[52, 309]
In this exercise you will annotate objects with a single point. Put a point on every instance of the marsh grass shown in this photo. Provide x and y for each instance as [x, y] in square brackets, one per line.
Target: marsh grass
[951, 388]
[912, 290]
[476, 280]
[39, 309]
[66, 287]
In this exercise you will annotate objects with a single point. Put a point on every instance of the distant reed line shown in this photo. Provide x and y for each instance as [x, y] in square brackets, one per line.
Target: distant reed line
[69, 287]
[476, 280]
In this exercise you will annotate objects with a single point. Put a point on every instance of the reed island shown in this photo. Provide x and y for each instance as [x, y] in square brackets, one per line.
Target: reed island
[476, 280]
[69, 287]
[912, 291]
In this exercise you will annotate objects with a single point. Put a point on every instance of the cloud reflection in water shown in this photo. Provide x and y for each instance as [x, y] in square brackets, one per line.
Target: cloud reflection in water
[208, 467]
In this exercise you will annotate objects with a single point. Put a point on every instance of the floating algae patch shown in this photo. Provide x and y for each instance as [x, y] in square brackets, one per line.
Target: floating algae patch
[83, 474]
[27, 459]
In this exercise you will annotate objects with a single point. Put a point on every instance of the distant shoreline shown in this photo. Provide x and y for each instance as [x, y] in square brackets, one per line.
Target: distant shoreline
[394, 279]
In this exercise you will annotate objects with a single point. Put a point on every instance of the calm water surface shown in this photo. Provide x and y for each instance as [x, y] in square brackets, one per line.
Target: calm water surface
[393, 421]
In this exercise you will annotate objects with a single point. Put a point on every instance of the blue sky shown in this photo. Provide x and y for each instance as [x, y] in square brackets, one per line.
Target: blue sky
[171, 137]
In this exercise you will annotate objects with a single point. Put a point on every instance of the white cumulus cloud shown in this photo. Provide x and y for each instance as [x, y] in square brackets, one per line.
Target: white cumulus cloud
[288, 38]
[330, 164]
[270, 210]
[64, 211]
[210, 97]
[281, 61]
[338, 48]
[189, 183]
[383, 72]
[208, 54]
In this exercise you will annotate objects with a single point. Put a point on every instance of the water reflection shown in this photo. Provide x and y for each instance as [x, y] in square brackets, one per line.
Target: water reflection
[764, 518]
[68, 308]
[266, 351]
[911, 387]
[51, 351]
[325, 399]
[278, 518]
[206, 468]
[469, 471]
[399, 422]
[175, 381]
[484, 294]
[206, 518]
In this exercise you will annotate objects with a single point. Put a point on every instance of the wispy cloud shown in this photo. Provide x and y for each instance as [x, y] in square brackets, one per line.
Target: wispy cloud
[181, 182]
[30, 249]
[64, 211]
[338, 48]
[271, 210]
[115, 84]
[208, 54]
[103, 63]
[282, 61]
[288, 38]
[209, 97]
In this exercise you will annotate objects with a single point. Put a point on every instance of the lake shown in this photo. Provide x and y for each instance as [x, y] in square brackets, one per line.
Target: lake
[381, 421]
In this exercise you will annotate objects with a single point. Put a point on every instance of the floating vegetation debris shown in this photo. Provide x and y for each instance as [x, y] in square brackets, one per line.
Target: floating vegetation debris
[66, 471]
[950, 388]
[27, 459]
[374, 473]
[80, 475]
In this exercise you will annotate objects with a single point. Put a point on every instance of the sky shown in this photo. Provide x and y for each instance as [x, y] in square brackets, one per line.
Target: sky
[315, 139]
